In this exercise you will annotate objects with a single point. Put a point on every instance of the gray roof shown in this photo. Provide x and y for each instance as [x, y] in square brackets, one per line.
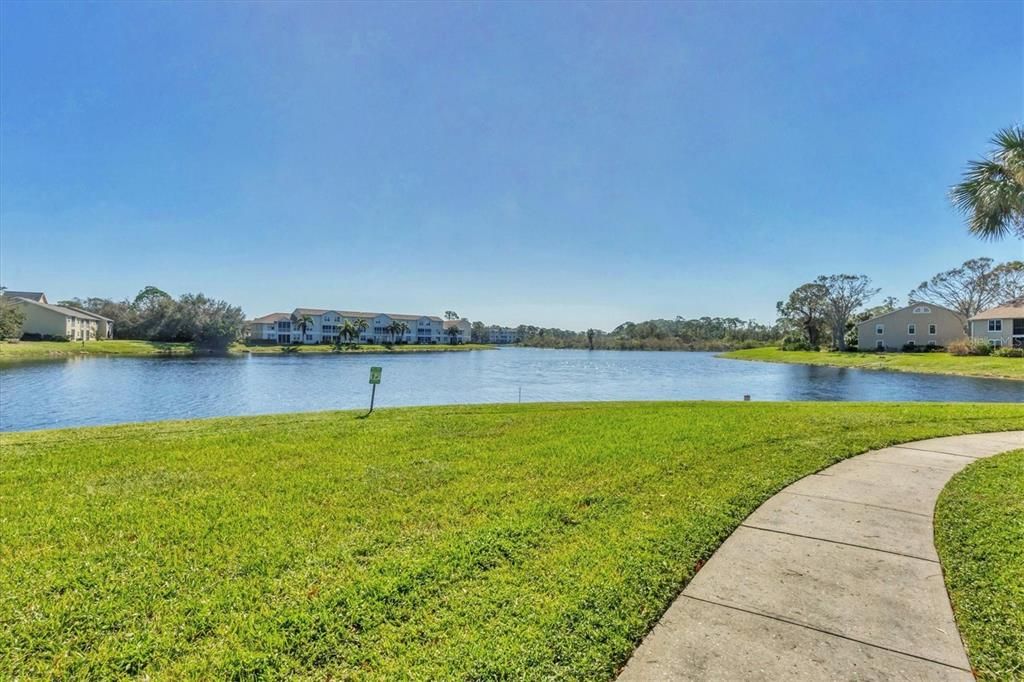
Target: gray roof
[271, 318]
[1010, 309]
[89, 313]
[37, 296]
[361, 315]
[68, 312]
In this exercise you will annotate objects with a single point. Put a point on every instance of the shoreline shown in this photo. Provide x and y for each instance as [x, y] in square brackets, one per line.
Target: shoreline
[970, 366]
[27, 351]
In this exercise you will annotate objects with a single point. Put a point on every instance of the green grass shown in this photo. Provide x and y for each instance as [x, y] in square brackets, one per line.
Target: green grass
[366, 348]
[929, 363]
[515, 541]
[42, 350]
[979, 532]
[37, 350]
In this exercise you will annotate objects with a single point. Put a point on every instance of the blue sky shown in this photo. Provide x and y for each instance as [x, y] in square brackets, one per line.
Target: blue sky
[568, 165]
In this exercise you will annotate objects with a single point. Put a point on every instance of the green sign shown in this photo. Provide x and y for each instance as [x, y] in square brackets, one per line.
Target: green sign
[375, 375]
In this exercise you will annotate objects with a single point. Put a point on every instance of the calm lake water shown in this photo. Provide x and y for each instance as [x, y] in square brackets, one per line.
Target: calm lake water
[88, 391]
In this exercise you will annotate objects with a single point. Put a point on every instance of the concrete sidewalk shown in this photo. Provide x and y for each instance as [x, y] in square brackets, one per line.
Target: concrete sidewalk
[834, 578]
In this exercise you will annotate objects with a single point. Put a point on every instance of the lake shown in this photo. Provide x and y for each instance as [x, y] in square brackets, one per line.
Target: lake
[88, 391]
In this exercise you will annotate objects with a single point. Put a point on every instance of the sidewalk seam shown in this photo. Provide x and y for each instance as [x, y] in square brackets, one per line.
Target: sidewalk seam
[824, 632]
[839, 542]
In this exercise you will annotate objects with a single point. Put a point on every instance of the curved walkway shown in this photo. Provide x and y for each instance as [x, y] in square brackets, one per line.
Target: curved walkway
[834, 578]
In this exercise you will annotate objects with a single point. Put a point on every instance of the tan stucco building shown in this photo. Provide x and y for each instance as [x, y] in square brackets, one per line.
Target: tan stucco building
[46, 320]
[921, 324]
[1001, 326]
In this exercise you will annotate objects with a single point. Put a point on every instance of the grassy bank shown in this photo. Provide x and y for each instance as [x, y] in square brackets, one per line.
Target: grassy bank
[39, 350]
[929, 363]
[428, 543]
[979, 532]
[366, 348]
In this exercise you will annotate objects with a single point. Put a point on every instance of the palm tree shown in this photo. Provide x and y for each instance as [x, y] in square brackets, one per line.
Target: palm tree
[452, 333]
[991, 194]
[348, 331]
[358, 327]
[303, 322]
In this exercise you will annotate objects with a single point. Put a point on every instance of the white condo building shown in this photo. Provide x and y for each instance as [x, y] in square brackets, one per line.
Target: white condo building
[324, 326]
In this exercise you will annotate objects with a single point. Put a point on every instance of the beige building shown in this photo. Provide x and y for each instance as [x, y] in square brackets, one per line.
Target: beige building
[54, 321]
[1002, 326]
[920, 324]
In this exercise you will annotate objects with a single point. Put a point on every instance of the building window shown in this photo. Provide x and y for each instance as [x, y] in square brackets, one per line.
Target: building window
[1018, 327]
[912, 329]
[879, 329]
[931, 330]
[996, 343]
[922, 310]
[995, 325]
[880, 345]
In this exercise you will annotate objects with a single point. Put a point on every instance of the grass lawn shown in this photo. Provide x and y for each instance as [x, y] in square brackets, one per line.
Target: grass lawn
[37, 350]
[979, 532]
[930, 363]
[515, 541]
[366, 348]
[42, 350]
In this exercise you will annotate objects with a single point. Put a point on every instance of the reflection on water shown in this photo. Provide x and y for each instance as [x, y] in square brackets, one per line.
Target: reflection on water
[85, 391]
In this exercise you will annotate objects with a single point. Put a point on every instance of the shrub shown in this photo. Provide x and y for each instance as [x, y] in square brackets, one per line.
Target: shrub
[43, 337]
[796, 343]
[1009, 352]
[970, 348]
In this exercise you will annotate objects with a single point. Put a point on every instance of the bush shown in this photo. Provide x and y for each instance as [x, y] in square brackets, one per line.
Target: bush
[43, 337]
[1009, 352]
[796, 343]
[970, 348]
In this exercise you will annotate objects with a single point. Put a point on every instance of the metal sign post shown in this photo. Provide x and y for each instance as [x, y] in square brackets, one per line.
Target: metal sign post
[374, 380]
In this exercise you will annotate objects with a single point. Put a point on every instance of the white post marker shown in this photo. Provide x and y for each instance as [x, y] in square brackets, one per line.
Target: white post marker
[374, 380]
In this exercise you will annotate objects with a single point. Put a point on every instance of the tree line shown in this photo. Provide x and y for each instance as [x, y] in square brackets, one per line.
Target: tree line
[154, 315]
[698, 334]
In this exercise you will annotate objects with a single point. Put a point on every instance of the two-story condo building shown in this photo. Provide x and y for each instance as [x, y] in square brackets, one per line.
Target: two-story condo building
[1001, 326]
[496, 334]
[44, 320]
[458, 331]
[319, 325]
[918, 324]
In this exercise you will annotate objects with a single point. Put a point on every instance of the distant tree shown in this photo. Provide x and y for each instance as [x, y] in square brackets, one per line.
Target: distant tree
[478, 333]
[1011, 281]
[451, 315]
[303, 322]
[12, 317]
[403, 329]
[149, 294]
[991, 193]
[453, 334]
[590, 339]
[844, 294]
[215, 324]
[976, 285]
[804, 311]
